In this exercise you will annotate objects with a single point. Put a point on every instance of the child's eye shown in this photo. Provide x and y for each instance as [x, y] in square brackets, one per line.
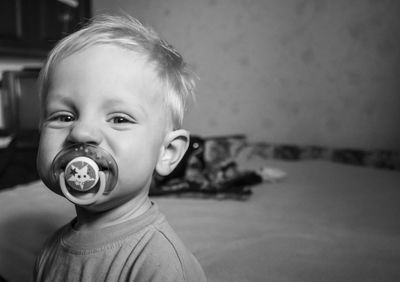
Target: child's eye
[121, 119]
[61, 117]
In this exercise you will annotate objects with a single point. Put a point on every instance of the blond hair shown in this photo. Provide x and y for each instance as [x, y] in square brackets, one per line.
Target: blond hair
[175, 75]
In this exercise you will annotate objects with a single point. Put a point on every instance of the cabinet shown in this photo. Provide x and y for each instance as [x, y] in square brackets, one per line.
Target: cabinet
[32, 27]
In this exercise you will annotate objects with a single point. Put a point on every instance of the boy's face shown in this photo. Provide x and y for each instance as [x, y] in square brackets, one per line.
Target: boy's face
[109, 97]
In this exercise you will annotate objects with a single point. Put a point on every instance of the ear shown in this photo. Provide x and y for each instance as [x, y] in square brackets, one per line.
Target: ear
[174, 147]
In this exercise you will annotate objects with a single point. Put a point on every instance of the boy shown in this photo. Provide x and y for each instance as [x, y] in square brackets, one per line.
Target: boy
[113, 97]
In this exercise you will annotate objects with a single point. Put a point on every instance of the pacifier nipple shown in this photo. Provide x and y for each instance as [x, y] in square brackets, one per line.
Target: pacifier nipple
[84, 172]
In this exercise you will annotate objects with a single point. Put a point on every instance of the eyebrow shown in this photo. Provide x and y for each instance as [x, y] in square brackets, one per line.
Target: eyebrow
[113, 103]
[59, 98]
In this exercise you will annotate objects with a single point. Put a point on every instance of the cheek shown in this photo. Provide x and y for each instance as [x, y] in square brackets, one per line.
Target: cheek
[46, 155]
[138, 162]
[134, 177]
[44, 160]
[49, 146]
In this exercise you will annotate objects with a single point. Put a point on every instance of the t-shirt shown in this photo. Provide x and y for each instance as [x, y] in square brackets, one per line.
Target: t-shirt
[142, 249]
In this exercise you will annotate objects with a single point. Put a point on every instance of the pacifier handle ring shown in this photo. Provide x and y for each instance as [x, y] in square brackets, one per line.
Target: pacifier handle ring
[75, 200]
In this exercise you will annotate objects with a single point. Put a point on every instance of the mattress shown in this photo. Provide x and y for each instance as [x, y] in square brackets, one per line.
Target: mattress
[324, 222]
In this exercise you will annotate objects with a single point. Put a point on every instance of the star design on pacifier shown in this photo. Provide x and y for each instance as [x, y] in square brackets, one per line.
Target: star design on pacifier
[73, 171]
[80, 176]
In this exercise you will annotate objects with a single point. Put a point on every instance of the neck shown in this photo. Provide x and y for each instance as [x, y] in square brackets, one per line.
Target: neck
[88, 219]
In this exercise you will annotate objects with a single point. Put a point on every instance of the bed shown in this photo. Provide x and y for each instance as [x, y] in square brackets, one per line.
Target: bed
[325, 221]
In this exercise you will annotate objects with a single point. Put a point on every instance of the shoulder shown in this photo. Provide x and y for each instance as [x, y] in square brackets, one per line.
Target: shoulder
[166, 257]
[54, 240]
[49, 250]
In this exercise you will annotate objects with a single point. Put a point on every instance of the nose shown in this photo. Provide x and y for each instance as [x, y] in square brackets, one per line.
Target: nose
[85, 132]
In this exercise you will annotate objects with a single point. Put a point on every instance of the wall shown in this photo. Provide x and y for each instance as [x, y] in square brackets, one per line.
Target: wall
[290, 71]
[294, 71]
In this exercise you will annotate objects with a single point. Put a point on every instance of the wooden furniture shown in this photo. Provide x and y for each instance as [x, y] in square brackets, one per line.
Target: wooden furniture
[31, 27]
[20, 108]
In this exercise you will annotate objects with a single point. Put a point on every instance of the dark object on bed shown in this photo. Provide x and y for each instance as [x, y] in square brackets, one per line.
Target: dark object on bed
[208, 169]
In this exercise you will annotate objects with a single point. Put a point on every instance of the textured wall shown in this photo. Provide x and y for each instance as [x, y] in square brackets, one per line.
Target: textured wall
[295, 71]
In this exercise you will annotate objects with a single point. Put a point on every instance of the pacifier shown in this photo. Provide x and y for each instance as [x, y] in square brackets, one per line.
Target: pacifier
[84, 172]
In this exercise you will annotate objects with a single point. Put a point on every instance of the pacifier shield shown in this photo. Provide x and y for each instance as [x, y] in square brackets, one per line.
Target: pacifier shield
[81, 174]
[84, 170]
